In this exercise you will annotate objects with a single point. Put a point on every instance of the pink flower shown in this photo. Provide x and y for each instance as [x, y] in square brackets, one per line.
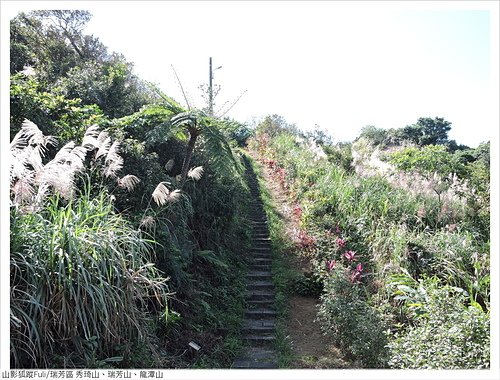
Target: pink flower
[356, 275]
[330, 264]
[337, 230]
[350, 255]
[340, 242]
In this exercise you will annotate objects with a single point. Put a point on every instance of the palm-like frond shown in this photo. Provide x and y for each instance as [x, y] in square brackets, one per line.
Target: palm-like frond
[221, 156]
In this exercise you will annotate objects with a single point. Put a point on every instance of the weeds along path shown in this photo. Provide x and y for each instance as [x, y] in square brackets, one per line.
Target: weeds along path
[300, 341]
[259, 330]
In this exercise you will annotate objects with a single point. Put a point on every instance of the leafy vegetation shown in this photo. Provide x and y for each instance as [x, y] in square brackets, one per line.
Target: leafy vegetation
[129, 229]
[372, 239]
[130, 245]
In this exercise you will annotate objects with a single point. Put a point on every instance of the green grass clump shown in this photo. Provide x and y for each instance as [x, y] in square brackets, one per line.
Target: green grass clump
[82, 284]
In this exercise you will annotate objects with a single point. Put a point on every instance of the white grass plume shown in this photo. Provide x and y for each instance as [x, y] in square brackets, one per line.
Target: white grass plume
[128, 182]
[113, 167]
[160, 194]
[147, 222]
[174, 196]
[113, 151]
[90, 138]
[195, 173]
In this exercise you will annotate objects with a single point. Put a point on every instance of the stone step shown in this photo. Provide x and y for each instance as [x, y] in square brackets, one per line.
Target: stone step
[259, 275]
[260, 267]
[260, 285]
[264, 252]
[258, 218]
[260, 256]
[261, 244]
[260, 295]
[260, 249]
[262, 240]
[259, 340]
[261, 325]
[254, 213]
[263, 235]
[261, 261]
[260, 234]
[263, 313]
[259, 304]
[249, 363]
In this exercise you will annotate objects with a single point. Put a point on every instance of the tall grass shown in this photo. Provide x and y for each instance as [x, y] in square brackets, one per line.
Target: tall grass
[79, 273]
[83, 285]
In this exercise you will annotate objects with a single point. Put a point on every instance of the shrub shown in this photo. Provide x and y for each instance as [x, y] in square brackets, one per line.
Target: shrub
[350, 321]
[447, 335]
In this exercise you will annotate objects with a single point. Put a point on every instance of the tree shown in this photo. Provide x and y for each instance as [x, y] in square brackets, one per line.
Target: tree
[197, 123]
[77, 65]
[320, 136]
[273, 125]
[427, 131]
[377, 136]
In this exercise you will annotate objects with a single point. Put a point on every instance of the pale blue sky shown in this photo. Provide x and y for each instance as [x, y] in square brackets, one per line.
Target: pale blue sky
[341, 65]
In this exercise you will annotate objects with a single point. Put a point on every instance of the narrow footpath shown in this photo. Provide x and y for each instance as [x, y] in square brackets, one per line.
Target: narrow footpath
[259, 333]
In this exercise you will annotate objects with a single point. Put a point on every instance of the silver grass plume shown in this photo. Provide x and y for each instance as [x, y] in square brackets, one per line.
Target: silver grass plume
[147, 222]
[104, 143]
[90, 138]
[128, 182]
[160, 194]
[195, 173]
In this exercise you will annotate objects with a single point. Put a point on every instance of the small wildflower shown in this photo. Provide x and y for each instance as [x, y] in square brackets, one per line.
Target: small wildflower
[350, 256]
[330, 264]
[356, 275]
[340, 242]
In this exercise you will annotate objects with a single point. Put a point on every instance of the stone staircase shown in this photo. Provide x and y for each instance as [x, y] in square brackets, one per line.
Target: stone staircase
[259, 323]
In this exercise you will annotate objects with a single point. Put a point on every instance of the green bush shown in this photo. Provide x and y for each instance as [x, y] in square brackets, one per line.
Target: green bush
[349, 320]
[446, 335]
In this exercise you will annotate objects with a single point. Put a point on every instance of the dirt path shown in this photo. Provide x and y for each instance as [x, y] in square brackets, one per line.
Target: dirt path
[311, 349]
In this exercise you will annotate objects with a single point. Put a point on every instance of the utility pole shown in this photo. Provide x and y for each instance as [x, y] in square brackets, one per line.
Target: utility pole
[210, 94]
[210, 89]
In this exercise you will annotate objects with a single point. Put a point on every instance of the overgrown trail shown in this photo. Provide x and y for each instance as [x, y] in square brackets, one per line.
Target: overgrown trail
[259, 323]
